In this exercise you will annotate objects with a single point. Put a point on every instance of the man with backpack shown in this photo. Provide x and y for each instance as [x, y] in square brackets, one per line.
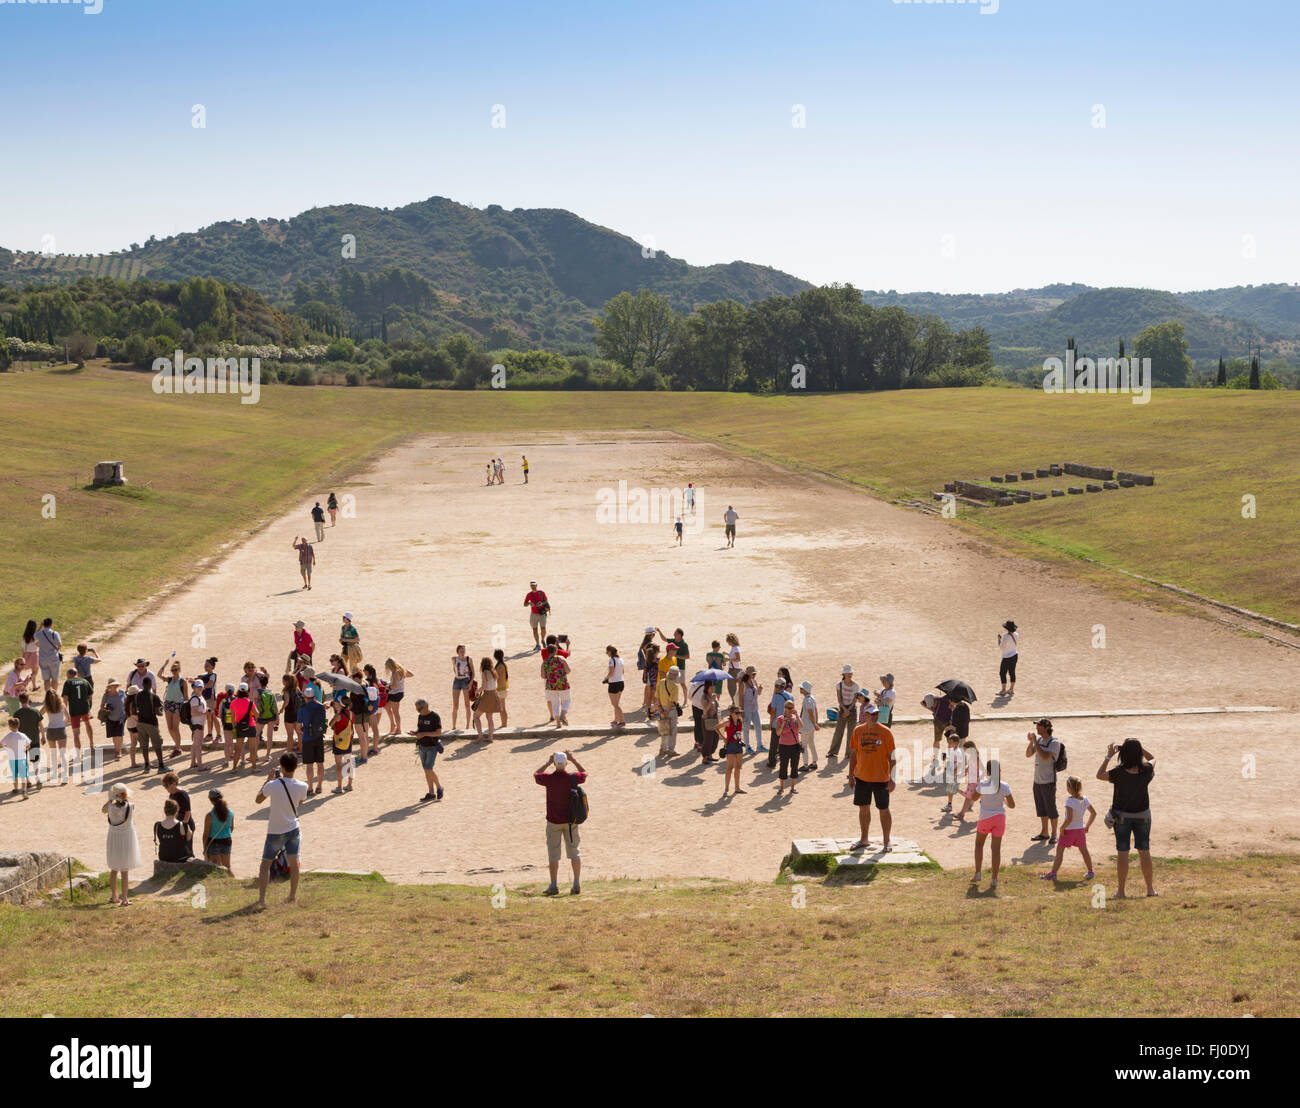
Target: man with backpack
[313, 722]
[243, 718]
[268, 713]
[565, 809]
[283, 832]
[1049, 758]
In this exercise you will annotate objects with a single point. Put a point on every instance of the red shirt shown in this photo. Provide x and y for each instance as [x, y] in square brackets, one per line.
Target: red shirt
[536, 598]
[303, 642]
[557, 785]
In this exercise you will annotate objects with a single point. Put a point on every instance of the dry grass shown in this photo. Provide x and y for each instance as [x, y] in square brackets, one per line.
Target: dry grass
[1221, 941]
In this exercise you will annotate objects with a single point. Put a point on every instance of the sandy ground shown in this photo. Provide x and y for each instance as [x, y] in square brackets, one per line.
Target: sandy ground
[820, 576]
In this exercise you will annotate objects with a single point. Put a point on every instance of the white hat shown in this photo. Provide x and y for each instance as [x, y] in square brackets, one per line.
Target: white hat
[928, 700]
[847, 669]
[806, 686]
[118, 790]
[133, 689]
[243, 687]
[309, 692]
[560, 759]
[873, 710]
[347, 615]
[649, 630]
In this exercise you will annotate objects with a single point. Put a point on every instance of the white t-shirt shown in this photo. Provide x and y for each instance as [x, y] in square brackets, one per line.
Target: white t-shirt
[1010, 643]
[807, 713]
[846, 691]
[991, 800]
[198, 709]
[1076, 810]
[616, 674]
[955, 766]
[733, 659]
[16, 743]
[56, 719]
[282, 818]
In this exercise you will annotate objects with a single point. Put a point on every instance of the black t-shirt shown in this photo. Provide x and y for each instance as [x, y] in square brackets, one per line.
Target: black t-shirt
[29, 723]
[172, 846]
[428, 721]
[961, 719]
[183, 811]
[147, 706]
[1131, 788]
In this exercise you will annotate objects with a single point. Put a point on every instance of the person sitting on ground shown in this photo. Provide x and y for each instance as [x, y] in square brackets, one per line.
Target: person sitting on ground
[172, 836]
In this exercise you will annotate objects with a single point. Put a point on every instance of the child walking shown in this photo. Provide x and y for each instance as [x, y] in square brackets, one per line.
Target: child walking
[953, 768]
[993, 820]
[1075, 830]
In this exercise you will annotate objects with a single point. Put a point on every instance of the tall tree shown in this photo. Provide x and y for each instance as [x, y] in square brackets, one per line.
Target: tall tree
[1222, 378]
[1166, 346]
[1254, 372]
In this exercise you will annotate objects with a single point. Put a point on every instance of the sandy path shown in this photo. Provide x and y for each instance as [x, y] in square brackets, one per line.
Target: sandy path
[820, 576]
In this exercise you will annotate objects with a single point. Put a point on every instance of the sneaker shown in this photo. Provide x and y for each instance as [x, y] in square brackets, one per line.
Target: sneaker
[946, 808]
[575, 890]
[427, 796]
[1089, 875]
[550, 890]
[440, 792]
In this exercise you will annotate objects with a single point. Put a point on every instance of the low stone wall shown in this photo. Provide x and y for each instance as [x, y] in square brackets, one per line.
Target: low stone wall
[1137, 478]
[1074, 469]
[978, 492]
[24, 875]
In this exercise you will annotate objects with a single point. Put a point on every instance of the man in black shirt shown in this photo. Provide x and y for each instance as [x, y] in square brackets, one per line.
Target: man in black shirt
[960, 717]
[428, 741]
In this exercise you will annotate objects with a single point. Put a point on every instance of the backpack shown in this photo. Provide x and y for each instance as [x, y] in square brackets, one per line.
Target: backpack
[374, 703]
[1061, 761]
[244, 727]
[185, 712]
[579, 809]
[266, 704]
[382, 686]
[317, 724]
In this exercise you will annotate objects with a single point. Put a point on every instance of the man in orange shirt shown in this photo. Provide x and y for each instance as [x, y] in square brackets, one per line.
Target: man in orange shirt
[871, 773]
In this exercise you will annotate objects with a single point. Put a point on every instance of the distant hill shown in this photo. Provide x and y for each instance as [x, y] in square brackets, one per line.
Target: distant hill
[537, 274]
[1027, 325]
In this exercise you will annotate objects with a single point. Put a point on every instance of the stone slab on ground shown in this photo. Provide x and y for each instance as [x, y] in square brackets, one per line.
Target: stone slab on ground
[905, 852]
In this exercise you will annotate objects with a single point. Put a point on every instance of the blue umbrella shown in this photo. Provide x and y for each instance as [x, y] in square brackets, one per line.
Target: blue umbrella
[706, 675]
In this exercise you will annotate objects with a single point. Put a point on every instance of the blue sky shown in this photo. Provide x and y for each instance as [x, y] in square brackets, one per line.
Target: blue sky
[943, 148]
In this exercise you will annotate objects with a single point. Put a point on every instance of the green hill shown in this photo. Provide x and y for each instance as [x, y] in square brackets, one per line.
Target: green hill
[1276, 308]
[533, 275]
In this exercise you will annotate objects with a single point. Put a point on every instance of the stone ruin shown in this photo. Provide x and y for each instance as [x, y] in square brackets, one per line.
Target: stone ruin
[108, 473]
[996, 494]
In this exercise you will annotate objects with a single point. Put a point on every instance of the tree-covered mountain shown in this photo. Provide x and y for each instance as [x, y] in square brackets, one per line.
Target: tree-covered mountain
[535, 276]
[1276, 308]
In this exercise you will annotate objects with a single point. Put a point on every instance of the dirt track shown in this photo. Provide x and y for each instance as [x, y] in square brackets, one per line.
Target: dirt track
[820, 576]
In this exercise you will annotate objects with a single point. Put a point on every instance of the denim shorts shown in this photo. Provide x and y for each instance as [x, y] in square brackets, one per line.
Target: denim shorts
[428, 756]
[459, 683]
[289, 842]
[1139, 829]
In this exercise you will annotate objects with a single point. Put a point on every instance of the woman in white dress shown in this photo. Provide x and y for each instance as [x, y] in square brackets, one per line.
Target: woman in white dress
[123, 849]
[1009, 643]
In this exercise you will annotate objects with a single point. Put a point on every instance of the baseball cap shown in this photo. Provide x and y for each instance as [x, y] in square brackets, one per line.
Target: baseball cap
[872, 710]
[1044, 722]
[533, 583]
[671, 648]
[805, 686]
[309, 692]
[243, 687]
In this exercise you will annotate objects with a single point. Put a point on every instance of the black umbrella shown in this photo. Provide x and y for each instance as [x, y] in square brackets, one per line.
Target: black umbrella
[959, 689]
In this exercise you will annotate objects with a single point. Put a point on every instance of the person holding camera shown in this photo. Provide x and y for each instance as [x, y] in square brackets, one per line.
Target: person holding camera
[561, 831]
[428, 744]
[538, 609]
[283, 831]
[1130, 809]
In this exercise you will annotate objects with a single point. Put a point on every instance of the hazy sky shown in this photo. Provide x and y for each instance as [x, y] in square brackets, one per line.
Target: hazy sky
[943, 148]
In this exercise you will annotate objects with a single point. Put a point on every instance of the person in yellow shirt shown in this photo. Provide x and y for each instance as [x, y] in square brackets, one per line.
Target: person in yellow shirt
[871, 774]
[672, 698]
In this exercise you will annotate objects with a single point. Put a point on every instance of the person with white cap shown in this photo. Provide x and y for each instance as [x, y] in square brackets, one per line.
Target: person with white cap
[306, 559]
[670, 695]
[846, 689]
[560, 828]
[538, 608]
[350, 644]
[807, 725]
[122, 847]
[198, 722]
